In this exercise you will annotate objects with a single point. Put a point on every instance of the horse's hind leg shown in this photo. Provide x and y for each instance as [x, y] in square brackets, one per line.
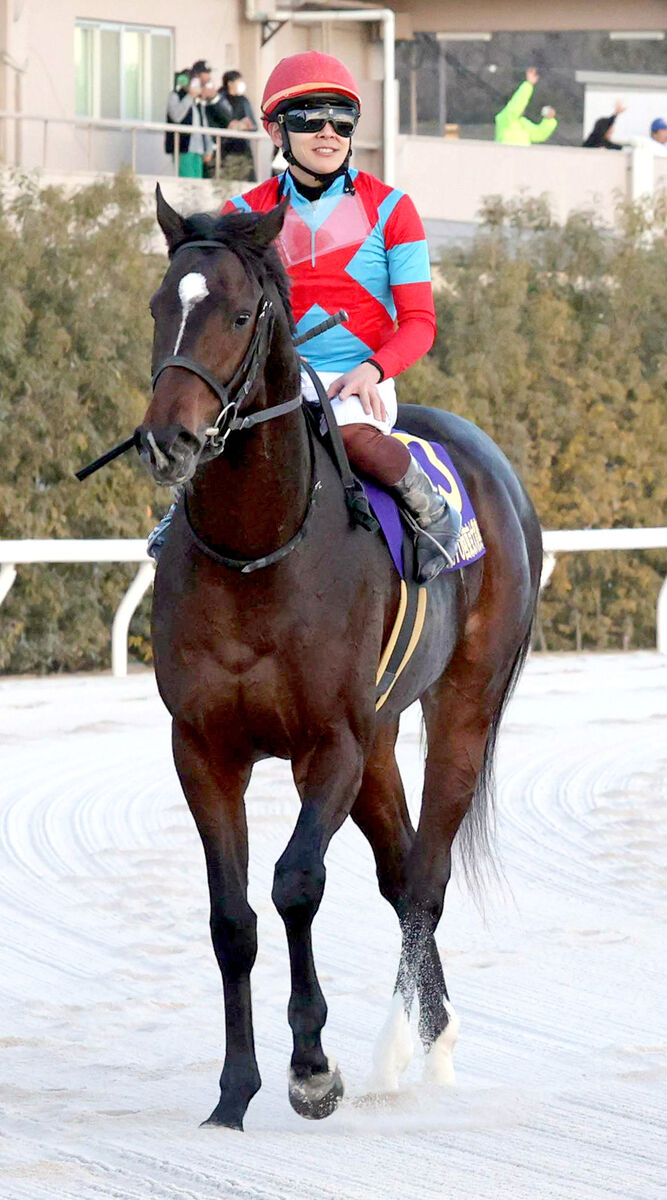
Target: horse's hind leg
[215, 791]
[459, 713]
[381, 813]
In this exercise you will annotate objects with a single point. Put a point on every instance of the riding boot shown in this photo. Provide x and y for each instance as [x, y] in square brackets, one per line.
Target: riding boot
[436, 525]
[158, 536]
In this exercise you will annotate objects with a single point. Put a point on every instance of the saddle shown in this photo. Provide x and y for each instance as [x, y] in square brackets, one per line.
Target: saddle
[373, 508]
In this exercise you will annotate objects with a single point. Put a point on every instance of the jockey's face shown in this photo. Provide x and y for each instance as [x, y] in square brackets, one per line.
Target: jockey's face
[324, 151]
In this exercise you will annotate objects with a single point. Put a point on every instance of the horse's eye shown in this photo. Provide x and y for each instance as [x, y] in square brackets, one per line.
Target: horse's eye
[242, 320]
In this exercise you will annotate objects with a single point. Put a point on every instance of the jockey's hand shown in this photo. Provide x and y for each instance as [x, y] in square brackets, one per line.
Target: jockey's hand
[361, 381]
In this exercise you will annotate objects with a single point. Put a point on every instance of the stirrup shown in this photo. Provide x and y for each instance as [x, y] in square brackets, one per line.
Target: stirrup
[432, 556]
[158, 536]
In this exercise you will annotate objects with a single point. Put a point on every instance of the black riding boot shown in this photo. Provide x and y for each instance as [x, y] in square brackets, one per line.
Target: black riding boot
[437, 526]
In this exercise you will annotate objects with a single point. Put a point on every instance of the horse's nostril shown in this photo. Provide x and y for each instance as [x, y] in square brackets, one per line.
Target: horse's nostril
[167, 448]
[187, 443]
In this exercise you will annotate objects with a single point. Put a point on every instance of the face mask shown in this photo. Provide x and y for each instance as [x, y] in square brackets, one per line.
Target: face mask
[240, 87]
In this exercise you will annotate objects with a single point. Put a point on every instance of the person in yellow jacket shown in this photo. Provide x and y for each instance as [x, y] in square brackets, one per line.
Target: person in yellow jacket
[513, 128]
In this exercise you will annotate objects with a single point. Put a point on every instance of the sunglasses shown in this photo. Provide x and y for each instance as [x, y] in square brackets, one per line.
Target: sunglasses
[312, 120]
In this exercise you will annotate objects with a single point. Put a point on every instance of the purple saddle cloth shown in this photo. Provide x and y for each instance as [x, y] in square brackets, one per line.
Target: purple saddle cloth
[440, 469]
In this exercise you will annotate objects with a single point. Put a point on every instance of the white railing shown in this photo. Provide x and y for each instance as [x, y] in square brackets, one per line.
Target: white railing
[74, 550]
[81, 550]
[91, 124]
[135, 129]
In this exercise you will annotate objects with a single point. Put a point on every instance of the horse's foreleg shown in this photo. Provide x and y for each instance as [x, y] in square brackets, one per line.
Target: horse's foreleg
[329, 781]
[215, 790]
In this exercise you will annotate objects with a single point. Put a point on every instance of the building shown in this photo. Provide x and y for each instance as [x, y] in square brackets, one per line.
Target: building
[81, 85]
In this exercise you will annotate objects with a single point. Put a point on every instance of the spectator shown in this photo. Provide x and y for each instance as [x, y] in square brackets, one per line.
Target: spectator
[184, 107]
[600, 135]
[659, 137]
[203, 70]
[512, 128]
[231, 109]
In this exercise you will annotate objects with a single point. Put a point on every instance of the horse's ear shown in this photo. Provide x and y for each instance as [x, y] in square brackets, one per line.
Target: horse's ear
[170, 222]
[269, 225]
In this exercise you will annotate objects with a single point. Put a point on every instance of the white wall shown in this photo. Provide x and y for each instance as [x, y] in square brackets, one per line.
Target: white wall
[44, 38]
[643, 105]
[449, 179]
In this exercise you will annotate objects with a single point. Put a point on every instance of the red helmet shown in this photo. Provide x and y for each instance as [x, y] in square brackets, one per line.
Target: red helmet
[303, 75]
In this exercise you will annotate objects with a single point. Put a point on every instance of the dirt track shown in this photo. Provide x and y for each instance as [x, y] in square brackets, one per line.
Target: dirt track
[112, 1027]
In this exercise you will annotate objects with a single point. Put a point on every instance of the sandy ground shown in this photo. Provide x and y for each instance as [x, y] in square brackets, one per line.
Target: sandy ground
[112, 1030]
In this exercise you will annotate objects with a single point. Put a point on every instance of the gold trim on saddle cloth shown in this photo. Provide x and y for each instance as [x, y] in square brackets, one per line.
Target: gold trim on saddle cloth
[408, 626]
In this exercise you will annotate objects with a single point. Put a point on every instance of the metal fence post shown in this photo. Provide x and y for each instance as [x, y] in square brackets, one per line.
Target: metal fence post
[124, 613]
[7, 577]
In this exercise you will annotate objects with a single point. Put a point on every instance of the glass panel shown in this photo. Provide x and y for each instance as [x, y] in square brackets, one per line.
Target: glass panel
[83, 71]
[132, 74]
[109, 73]
[160, 75]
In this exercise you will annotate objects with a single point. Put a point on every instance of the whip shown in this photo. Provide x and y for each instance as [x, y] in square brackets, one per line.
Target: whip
[122, 447]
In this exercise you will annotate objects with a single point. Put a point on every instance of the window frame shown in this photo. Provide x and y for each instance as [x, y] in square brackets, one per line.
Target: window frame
[95, 27]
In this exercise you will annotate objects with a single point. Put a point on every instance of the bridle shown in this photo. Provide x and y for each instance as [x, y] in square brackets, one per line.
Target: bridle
[233, 394]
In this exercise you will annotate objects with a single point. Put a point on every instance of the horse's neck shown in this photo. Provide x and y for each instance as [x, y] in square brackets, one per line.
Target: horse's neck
[253, 498]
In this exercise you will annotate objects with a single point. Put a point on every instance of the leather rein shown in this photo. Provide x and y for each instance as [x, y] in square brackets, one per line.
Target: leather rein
[231, 396]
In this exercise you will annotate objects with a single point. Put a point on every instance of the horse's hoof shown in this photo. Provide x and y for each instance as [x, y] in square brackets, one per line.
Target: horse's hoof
[316, 1096]
[223, 1116]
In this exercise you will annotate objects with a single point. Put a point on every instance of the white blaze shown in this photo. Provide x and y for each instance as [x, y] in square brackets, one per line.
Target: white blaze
[191, 289]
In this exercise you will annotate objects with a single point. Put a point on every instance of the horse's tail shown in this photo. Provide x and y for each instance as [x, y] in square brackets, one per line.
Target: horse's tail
[474, 840]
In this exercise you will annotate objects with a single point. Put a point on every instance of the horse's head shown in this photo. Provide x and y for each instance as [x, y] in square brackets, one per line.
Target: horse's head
[213, 315]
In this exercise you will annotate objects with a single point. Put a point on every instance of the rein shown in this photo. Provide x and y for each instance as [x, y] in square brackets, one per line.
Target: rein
[231, 395]
[247, 565]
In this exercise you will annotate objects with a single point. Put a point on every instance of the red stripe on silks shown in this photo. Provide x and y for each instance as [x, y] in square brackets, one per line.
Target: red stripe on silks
[404, 224]
[260, 199]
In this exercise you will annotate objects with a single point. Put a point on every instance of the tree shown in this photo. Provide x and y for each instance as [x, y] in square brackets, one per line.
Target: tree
[552, 339]
[75, 337]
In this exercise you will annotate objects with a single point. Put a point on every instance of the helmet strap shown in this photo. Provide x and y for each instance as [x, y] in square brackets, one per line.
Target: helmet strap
[321, 176]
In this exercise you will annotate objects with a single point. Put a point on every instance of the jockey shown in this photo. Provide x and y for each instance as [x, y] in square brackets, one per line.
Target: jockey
[351, 241]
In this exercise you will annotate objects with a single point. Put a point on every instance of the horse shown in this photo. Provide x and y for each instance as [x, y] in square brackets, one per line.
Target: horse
[270, 615]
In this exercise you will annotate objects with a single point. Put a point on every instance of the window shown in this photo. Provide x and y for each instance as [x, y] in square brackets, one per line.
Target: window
[122, 71]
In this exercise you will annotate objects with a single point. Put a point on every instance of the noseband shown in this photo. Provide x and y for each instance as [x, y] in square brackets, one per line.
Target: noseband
[232, 395]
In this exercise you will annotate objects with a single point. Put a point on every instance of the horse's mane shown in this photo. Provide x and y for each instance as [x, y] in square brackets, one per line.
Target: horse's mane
[236, 232]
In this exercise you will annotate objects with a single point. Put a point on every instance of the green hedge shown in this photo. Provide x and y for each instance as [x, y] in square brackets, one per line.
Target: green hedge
[554, 340]
[75, 336]
[551, 338]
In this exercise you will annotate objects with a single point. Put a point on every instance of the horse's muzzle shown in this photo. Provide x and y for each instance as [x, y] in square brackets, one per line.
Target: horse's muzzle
[171, 455]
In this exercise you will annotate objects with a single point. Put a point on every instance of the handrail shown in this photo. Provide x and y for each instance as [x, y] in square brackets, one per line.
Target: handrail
[126, 125]
[78, 550]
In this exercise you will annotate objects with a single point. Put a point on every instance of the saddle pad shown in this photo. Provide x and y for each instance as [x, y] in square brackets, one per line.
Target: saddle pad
[440, 469]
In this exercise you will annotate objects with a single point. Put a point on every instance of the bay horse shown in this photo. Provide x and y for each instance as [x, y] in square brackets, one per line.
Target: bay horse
[270, 615]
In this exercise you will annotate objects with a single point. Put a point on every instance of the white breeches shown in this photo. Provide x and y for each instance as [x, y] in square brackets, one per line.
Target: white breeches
[350, 411]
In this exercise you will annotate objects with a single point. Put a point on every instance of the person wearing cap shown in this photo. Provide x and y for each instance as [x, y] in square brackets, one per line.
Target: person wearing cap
[659, 137]
[184, 107]
[513, 128]
[600, 135]
[351, 241]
